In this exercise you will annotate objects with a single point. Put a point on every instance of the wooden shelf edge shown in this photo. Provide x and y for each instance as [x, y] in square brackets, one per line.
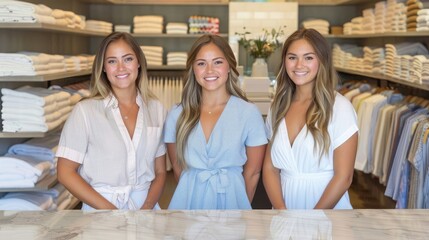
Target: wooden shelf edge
[45, 184]
[50, 27]
[165, 35]
[386, 34]
[384, 77]
[44, 78]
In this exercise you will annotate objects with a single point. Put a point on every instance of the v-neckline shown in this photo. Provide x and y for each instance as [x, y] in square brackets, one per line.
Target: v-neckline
[291, 144]
[207, 141]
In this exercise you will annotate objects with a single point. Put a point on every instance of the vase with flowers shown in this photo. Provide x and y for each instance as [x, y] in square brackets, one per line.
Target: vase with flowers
[261, 48]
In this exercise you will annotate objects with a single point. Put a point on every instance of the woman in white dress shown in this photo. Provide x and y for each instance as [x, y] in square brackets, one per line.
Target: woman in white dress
[111, 155]
[313, 135]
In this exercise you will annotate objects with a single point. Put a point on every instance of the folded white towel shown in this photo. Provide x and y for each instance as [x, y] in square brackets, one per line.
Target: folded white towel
[44, 201]
[148, 18]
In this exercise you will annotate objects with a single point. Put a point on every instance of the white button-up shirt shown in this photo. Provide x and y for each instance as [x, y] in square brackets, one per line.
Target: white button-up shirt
[117, 166]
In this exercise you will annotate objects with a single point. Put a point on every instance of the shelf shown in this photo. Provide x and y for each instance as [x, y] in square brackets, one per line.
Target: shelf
[44, 78]
[330, 2]
[386, 34]
[22, 134]
[165, 67]
[73, 203]
[170, 2]
[384, 77]
[165, 35]
[50, 27]
[29, 134]
[45, 184]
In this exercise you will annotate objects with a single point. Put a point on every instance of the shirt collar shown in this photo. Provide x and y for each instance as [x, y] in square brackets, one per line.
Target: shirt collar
[112, 102]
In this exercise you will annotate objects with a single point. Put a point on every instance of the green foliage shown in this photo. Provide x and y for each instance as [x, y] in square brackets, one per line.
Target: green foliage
[264, 45]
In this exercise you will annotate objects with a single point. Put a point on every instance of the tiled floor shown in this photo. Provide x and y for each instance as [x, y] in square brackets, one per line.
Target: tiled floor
[365, 192]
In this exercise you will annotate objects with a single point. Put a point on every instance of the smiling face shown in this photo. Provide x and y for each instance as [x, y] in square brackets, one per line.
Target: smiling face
[211, 68]
[301, 63]
[121, 66]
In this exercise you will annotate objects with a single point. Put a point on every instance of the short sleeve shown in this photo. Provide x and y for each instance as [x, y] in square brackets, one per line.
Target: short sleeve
[344, 121]
[74, 136]
[268, 126]
[256, 130]
[170, 124]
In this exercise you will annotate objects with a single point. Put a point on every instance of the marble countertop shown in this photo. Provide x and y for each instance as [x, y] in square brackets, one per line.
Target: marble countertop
[202, 224]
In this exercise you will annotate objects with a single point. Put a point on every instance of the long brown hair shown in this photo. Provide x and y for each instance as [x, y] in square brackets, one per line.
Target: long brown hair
[319, 113]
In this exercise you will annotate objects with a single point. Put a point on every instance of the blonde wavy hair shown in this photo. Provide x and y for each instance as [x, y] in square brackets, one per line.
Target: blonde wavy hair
[192, 91]
[319, 113]
[100, 85]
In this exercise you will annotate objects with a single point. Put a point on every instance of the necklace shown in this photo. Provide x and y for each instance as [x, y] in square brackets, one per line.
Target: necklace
[125, 115]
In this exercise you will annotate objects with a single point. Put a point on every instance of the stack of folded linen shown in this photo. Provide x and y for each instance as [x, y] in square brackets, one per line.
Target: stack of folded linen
[368, 60]
[153, 54]
[68, 19]
[416, 70]
[413, 8]
[30, 64]
[425, 72]
[396, 17]
[177, 58]
[380, 14]
[27, 201]
[61, 197]
[33, 109]
[23, 12]
[176, 28]
[368, 21]
[98, 26]
[123, 28]
[78, 63]
[203, 25]
[76, 94]
[320, 25]
[41, 149]
[148, 24]
[18, 171]
[423, 20]
[396, 64]
[347, 56]
[355, 26]
[379, 60]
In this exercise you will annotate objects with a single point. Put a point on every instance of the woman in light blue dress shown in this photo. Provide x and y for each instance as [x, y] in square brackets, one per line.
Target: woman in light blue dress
[215, 138]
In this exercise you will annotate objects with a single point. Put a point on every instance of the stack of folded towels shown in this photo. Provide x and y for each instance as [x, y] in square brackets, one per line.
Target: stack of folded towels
[177, 58]
[79, 63]
[176, 28]
[27, 201]
[153, 54]
[148, 24]
[99, 26]
[320, 25]
[33, 109]
[23, 12]
[203, 25]
[30, 64]
[68, 19]
[423, 20]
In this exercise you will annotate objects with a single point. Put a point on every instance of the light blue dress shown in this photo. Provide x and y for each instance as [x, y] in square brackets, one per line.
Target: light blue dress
[213, 179]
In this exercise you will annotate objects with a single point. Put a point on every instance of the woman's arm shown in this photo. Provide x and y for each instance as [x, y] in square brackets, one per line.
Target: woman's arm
[252, 168]
[157, 185]
[344, 162]
[172, 155]
[272, 183]
[70, 178]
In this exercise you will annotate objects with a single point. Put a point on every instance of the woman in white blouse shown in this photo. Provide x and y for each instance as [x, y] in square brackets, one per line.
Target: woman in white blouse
[110, 154]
